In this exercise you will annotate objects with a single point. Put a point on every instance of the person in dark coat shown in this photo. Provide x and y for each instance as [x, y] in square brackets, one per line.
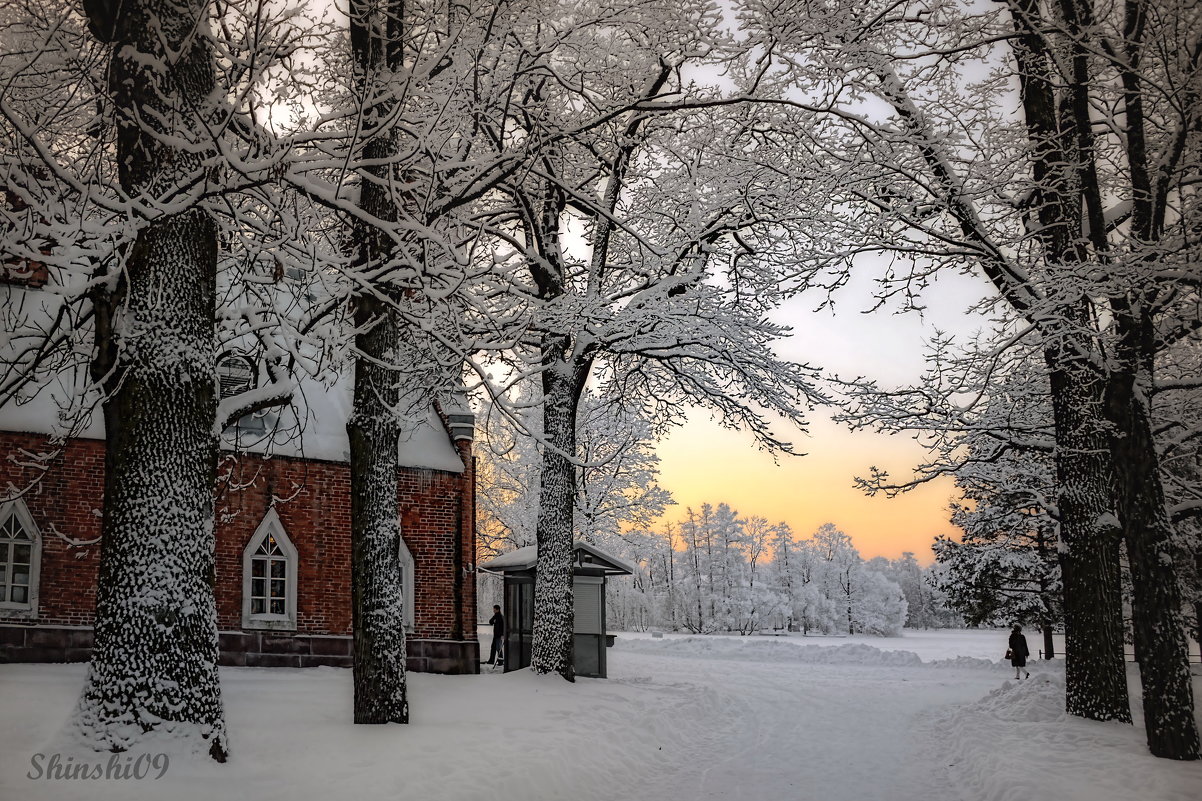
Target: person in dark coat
[498, 635]
[1019, 652]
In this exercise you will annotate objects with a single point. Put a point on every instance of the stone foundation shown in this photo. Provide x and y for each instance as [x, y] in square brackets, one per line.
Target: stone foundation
[248, 649]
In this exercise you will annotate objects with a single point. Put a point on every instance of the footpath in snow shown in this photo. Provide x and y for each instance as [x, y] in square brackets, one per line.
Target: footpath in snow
[926, 717]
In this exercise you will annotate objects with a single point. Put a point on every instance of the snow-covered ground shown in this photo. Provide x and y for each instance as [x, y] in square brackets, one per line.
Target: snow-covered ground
[930, 716]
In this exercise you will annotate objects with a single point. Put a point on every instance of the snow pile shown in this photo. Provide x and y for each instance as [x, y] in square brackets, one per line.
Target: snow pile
[972, 663]
[967, 663]
[1039, 699]
[789, 649]
[763, 650]
[1017, 744]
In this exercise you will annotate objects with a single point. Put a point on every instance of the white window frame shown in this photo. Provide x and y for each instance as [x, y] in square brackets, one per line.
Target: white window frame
[408, 573]
[271, 525]
[17, 508]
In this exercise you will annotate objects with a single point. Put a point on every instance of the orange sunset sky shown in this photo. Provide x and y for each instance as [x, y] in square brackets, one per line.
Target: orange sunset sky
[705, 463]
[702, 462]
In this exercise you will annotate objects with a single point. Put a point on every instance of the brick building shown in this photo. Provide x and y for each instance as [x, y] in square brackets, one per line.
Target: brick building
[283, 582]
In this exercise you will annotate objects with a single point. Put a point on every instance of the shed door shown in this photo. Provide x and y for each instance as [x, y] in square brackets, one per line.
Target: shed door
[519, 621]
[588, 608]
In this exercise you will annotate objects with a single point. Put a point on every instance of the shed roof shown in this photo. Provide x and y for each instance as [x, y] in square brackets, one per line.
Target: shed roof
[591, 556]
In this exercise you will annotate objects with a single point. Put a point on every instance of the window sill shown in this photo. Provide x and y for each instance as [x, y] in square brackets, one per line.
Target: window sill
[256, 624]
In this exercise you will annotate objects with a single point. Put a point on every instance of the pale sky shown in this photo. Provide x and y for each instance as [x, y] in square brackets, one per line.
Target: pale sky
[704, 463]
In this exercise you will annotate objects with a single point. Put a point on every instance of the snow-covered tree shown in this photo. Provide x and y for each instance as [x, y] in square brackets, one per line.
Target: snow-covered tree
[925, 604]
[418, 130]
[654, 246]
[127, 180]
[154, 658]
[809, 602]
[618, 479]
[1006, 566]
[720, 572]
[617, 484]
[110, 148]
[969, 136]
[879, 606]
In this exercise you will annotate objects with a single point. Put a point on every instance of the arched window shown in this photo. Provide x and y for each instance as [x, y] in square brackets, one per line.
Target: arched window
[407, 580]
[20, 560]
[269, 566]
[235, 373]
[238, 373]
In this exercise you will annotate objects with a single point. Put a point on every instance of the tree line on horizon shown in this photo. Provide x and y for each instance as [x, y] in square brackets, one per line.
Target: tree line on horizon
[716, 571]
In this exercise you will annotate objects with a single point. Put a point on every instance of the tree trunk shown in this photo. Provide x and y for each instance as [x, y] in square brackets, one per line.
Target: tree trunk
[376, 588]
[373, 429]
[1095, 675]
[1048, 642]
[554, 614]
[1049, 645]
[154, 658]
[1156, 605]
[1045, 598]
[1060, 154]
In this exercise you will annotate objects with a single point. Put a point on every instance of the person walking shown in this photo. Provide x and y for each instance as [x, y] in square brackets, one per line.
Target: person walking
[1018, 652]
[497, 621]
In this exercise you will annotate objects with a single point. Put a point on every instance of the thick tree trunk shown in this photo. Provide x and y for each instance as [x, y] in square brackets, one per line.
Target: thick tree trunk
[1156, 609]
[1095, 675]
[1060, 153]
[554, 614]
[154, 660]
[373, 429]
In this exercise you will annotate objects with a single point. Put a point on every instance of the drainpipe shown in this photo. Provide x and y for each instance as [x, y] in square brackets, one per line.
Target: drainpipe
[462, 424]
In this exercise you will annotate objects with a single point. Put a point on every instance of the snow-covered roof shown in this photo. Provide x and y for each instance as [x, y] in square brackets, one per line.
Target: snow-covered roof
[321, 411]
[312, 427]
[527, 557]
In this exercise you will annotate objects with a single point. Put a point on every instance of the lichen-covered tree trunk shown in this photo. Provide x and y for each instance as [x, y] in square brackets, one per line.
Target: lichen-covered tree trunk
[154, 661]
[1095, 676]
[373, 429]
[554, 614]
[1156, 608]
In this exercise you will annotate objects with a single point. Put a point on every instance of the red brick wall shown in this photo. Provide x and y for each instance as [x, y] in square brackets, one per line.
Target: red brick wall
[313, 502]
[63, 498]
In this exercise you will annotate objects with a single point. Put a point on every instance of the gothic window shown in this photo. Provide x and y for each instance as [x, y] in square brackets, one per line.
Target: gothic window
[269, 579]
[236, 374]
[20, 557]
[407, 582]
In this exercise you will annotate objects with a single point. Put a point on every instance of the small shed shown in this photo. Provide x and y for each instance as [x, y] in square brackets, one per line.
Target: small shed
[590, 568]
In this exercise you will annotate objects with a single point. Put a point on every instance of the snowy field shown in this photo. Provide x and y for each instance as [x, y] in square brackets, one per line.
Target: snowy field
[931, 716]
